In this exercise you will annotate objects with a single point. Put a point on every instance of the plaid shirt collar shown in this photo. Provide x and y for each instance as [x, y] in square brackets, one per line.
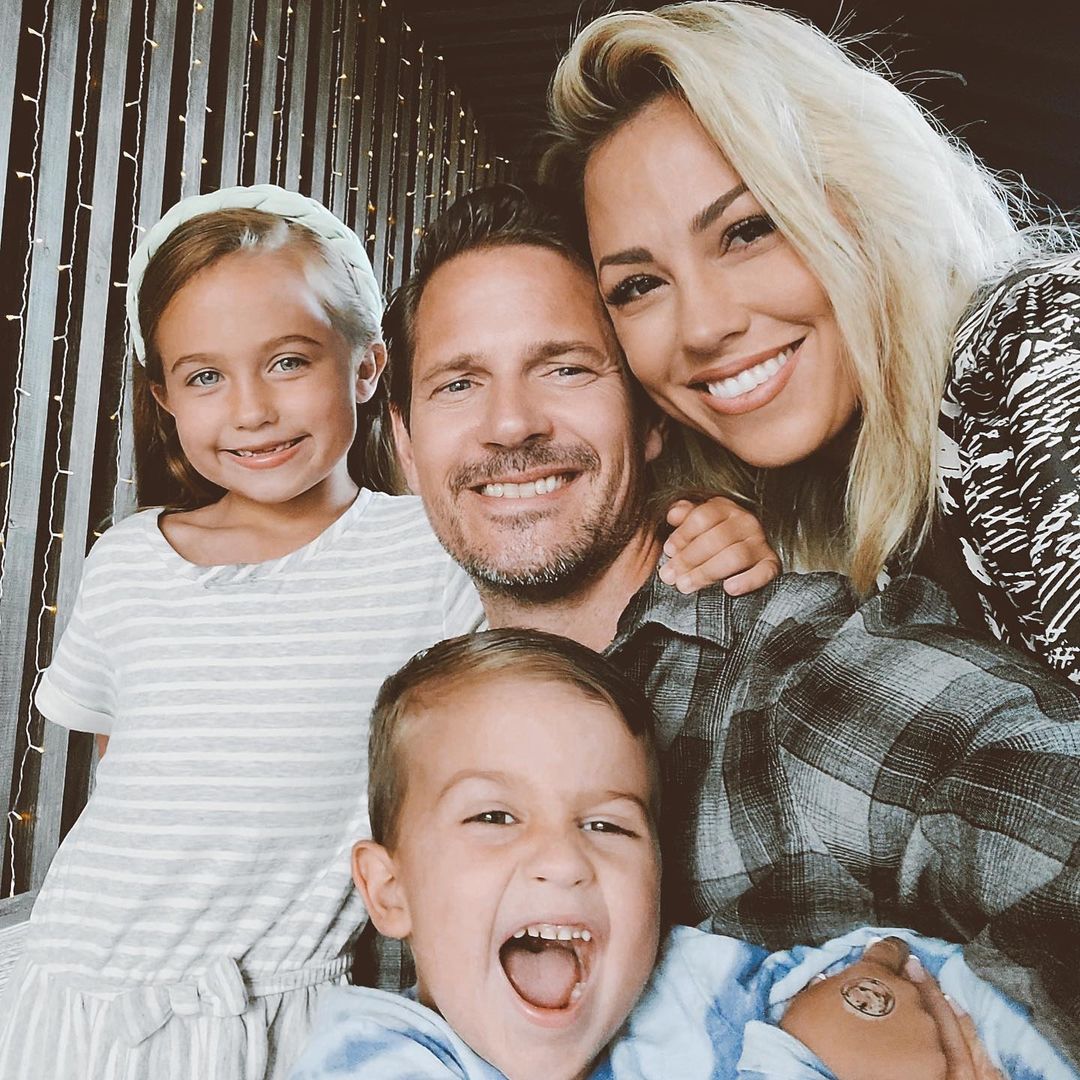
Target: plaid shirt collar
[706, 615]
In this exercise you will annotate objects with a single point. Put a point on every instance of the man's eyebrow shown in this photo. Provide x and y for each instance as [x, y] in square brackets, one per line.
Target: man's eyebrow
[704, 218]
[698, 224]
[552, 347]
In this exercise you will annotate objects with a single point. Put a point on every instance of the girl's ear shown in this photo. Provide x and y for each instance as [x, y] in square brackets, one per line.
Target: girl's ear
[367, 375]
[158, 390]
[375, 875]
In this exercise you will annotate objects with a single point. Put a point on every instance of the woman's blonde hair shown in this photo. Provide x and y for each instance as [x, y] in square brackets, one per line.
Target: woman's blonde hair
[898, 220]
[163, 474]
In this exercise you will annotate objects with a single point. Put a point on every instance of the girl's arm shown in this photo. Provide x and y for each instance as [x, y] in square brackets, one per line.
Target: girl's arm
[717, 541]
[102, 745]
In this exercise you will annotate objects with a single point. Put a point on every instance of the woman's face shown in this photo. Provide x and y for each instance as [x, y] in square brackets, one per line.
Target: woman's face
[721, 320]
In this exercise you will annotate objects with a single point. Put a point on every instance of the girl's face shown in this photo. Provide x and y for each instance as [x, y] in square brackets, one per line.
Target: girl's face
[723, 323]
[263, 389]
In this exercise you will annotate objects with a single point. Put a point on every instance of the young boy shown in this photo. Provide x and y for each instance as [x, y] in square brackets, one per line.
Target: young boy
[514, 800]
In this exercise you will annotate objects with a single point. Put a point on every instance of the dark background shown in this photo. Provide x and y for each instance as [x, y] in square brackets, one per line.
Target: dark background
[1002, 75]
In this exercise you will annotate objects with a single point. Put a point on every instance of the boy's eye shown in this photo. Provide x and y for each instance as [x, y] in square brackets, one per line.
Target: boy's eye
[608, 827]
[204, 378]
[290, 363]
[632, 288]
[745, 232]
[493, 817]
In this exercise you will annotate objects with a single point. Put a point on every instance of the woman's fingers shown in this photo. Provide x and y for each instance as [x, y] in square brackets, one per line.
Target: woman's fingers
[964, 1054]
[982, 1067]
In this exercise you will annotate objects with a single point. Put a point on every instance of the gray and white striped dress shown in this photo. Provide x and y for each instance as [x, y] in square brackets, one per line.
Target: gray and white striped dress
[203, 899]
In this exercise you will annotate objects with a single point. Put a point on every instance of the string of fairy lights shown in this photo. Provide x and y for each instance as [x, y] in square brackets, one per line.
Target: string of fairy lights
[14, 817]
[429, 181]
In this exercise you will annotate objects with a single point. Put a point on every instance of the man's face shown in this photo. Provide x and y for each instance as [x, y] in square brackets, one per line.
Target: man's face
[526, 879]
[522, 440]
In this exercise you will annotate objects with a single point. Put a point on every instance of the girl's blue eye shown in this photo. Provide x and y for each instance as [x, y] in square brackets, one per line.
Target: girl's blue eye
[290, 363]
[745, 232]
[204, 378]
[632, 288]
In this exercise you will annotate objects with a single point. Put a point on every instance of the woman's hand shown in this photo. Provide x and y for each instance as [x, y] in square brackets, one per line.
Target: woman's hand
[717, 541]
[964, 1053]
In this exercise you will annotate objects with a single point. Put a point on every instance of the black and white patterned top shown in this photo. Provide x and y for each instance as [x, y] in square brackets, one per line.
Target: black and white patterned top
[1009, 461]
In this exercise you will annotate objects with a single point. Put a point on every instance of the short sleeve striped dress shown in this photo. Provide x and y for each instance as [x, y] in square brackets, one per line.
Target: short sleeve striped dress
[203, 899]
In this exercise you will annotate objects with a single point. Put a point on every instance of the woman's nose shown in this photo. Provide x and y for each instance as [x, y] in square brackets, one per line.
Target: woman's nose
[711, 312]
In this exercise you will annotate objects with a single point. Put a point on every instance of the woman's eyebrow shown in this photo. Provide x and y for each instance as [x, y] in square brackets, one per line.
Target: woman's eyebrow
[704, 218]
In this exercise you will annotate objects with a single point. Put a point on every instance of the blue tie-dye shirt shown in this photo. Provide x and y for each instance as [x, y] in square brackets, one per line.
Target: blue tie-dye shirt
[708, 1013]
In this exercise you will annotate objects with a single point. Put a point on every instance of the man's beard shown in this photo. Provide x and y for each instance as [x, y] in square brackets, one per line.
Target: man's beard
[528, 572]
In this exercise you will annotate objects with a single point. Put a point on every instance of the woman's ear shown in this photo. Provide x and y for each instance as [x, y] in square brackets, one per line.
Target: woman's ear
[367, 375]
[376, 877]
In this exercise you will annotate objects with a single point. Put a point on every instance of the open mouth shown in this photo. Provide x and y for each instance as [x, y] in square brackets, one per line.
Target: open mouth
[265, 451]
[543, 485]
[752, 377]
[548, 964]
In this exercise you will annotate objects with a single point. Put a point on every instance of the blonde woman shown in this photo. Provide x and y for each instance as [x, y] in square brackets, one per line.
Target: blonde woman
[859, 334]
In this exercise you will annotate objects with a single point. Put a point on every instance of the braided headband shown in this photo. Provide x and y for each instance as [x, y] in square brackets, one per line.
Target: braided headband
[271, 199]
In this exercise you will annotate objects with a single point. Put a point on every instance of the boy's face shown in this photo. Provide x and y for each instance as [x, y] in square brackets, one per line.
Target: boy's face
[526, 817]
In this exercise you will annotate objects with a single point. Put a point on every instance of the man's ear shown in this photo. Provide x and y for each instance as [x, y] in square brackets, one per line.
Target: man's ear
[375, 875]
[403, 443]
[158, 390]
[371, 367]
[655, 434]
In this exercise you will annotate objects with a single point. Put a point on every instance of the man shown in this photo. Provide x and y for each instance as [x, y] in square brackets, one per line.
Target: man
[828, 761]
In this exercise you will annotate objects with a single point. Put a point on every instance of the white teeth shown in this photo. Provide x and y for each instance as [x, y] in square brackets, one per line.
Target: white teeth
[523, 491]
[576, 992]
[753, 377]
[554, 932]
[268, 450]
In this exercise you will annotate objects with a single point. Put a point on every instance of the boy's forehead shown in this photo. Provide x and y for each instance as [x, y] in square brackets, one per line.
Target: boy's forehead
[514, 727]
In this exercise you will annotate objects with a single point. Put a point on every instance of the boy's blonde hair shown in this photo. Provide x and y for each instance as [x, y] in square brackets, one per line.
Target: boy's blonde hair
[432, 675]
[163, 475]
[899, 222]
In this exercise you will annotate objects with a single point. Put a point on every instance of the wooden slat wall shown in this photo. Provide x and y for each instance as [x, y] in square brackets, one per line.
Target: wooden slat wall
[111, 110]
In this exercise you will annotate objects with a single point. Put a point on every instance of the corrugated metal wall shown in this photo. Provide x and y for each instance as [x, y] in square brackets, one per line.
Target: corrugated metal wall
[110, 111]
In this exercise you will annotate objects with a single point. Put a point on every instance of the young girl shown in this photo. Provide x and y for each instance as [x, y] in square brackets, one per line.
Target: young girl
[229, 648]
[230, 651]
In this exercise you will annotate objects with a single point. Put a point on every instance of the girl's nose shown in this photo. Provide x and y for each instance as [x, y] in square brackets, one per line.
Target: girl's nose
[253, 404]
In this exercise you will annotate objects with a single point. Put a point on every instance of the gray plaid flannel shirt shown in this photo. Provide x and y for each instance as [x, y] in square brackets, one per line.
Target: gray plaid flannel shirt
[830, 762]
